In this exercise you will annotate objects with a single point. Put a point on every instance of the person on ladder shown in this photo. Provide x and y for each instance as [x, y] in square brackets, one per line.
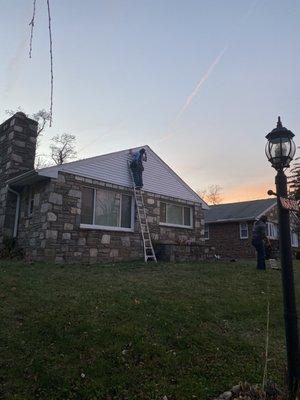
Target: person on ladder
[137, 168]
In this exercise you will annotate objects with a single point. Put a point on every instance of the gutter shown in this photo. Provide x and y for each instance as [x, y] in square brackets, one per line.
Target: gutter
[21, 176]
[218, 221]
[15, 233]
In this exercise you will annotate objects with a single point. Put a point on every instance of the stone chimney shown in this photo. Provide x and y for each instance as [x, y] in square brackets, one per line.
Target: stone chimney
[18, 136]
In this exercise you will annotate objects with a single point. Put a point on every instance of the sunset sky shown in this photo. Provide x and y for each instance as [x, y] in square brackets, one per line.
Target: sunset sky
[200, 81]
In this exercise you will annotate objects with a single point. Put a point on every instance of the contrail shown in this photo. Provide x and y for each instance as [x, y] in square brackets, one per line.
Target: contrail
[210, 69]
[216, 61]
[193, 94]
[201, 82]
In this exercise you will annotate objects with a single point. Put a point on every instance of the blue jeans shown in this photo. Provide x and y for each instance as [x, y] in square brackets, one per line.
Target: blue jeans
[261, 253]
[137, 172]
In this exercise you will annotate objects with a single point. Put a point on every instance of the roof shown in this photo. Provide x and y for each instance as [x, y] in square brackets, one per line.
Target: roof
[244, 210]
[158, 177]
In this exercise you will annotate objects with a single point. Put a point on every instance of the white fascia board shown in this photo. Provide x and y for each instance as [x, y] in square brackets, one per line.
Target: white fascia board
[267, 209]
[220, 221]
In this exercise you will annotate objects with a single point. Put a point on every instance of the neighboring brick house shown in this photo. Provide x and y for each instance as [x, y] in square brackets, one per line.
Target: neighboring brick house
[228, 227]
[84, 211]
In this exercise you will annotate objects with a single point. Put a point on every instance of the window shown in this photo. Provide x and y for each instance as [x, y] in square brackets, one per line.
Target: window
[175, 215]
[30, 203]
[87, 208]
[244, 234]
[272, 230]
[294, 239]
[106, 209]
[206, 232]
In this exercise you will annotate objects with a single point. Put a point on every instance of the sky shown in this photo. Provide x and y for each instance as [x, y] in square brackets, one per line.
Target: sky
[200, 81]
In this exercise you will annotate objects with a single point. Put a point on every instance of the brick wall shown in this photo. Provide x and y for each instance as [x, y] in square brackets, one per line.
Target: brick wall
[225, 238]
[53, 230]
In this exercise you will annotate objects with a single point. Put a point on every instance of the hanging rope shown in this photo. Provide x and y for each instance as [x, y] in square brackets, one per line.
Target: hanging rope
[51, 62]
[31, 24]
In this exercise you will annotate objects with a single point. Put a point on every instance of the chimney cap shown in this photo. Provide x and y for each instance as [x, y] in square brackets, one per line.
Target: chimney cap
[21, 114]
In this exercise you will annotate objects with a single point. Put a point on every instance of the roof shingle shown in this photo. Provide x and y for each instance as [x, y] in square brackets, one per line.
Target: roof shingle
[244, 210]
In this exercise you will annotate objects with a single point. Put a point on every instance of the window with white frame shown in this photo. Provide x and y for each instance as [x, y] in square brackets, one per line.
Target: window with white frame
[106, 209]
[206, 232]
[294, 239]
[30, 203]
[272, 230]
[176, 215]
[244, 233]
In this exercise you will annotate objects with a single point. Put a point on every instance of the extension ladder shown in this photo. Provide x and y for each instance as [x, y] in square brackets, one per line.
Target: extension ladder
[149, 253]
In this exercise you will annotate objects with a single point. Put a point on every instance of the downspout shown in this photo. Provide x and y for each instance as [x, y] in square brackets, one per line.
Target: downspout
[15, 233]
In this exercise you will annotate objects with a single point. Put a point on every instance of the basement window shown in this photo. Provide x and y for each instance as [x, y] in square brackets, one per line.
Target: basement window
[175, 215]
[244, 233]
[106, 209]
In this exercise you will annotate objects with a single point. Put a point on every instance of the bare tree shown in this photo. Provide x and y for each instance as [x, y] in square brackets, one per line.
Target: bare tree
[212, 194]
[63, 148]
[42, 161]
[11, 112]
[294, 179]
[43, 118]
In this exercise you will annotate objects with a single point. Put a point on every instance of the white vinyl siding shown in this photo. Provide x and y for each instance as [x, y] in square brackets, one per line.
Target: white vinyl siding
[176, 215]
[244, 231]
[113, 168]
[106, 209]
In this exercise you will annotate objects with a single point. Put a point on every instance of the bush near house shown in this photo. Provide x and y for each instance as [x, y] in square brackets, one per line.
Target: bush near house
[135, 331]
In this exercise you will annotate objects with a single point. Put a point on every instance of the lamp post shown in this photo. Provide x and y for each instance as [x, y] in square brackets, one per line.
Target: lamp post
[280, 150]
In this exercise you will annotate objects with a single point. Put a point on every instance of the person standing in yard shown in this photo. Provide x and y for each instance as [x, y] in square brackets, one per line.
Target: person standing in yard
[137, 168]
[259, 238]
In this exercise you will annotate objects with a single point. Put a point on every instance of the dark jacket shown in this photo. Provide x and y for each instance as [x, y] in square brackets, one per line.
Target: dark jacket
[259, 230]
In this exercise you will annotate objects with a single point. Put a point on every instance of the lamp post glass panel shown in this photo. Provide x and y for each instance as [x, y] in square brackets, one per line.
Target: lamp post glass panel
[280, 150]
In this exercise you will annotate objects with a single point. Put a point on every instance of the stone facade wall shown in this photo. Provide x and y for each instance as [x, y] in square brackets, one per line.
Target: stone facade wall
[32, 228]
[53, 230]
[18, 144]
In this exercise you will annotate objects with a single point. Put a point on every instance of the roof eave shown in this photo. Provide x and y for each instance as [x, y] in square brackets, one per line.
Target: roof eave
[27, 178]
[219, 221]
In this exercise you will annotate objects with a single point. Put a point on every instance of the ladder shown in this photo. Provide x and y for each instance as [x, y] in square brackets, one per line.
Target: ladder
[149, 253]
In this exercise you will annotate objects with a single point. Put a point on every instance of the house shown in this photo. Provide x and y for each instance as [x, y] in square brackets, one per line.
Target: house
[84, 211]
[228, 227]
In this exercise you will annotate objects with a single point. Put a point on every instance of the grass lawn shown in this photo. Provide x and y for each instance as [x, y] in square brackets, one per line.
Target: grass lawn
[130, 331]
